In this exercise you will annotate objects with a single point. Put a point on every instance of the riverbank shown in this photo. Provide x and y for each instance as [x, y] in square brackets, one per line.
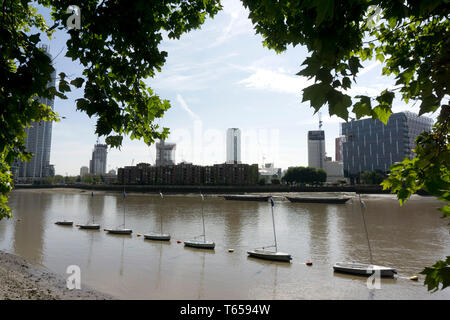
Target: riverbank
[21, 280]
[212, 189]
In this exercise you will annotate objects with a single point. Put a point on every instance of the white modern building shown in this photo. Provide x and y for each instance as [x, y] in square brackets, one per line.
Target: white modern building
[233, 145]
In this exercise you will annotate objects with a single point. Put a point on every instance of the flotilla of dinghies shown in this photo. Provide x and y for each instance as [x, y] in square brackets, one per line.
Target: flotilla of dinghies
[363, 269]
[354, 268]
[64, 223]
[335, 200]
[158, 236]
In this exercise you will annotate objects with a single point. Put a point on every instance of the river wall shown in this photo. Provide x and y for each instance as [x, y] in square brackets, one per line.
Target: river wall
[216, 189]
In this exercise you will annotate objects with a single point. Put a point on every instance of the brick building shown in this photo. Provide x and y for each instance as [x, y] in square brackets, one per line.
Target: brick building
[189, 174]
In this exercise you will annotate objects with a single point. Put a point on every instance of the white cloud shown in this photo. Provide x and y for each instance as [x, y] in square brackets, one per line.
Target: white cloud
[277, 81]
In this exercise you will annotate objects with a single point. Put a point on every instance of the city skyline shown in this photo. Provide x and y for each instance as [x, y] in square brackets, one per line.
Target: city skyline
[217, 77]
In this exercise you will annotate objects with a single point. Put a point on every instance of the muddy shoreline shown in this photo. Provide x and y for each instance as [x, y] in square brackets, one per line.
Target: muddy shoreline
[21, 280]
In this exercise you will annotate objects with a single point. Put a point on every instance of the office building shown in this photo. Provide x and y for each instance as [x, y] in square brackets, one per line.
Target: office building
[316, 149]
[97, 165]
[371, 145]
[38, 141]
[165, 153]
[233, 146]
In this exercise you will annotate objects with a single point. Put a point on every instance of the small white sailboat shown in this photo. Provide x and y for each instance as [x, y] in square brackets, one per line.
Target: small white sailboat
[158, 236]
[363, 269]
[120, 229]
[92, 225]
[263, 253]
[200, 243]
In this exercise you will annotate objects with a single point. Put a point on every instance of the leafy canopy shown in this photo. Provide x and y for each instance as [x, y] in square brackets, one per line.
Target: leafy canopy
[118, 48]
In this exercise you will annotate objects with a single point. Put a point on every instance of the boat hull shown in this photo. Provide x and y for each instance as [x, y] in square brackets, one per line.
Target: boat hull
[318, 200]
[270, 255]
[248, 198]
[64, 223]
[200, 244]
[363, 269]
[157, 236]
[119, 231]
[89, 226]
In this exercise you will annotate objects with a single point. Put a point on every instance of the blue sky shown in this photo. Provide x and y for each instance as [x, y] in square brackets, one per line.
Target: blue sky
[217, 77]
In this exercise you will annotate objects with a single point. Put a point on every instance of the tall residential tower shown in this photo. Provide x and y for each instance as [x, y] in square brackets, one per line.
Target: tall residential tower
[233, 145]
[97, 165]
[38, 141]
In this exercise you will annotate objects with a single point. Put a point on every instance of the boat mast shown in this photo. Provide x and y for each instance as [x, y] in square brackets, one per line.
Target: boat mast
[161, 212]
[203, 220]
[273, 222]
[363, 207]
[93, 214]
[124, 195]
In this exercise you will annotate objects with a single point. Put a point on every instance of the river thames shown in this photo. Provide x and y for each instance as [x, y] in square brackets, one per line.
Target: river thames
[407, 238]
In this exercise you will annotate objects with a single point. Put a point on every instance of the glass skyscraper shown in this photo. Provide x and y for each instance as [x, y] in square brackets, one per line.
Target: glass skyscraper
[371, 145]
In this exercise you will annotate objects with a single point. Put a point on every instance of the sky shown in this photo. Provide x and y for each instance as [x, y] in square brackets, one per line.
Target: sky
[216, 77]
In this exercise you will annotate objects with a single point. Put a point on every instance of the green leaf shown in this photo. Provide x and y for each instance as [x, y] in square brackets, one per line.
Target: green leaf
[316, 94]
[363, 107]
[77, 82]
[382, 113]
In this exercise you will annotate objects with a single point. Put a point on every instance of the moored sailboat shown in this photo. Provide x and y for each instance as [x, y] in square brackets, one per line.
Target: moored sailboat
[92, 225]
[120, 229]
[263, 253]
[200, 243]
[363, 269]
[158, 236]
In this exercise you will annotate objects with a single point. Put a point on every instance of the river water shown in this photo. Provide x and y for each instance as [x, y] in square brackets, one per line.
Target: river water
[407, 238]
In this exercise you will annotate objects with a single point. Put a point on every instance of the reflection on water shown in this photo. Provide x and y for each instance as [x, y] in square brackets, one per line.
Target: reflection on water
[407, 238]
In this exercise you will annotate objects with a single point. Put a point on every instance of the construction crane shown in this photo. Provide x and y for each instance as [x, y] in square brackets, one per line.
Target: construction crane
[320, 121]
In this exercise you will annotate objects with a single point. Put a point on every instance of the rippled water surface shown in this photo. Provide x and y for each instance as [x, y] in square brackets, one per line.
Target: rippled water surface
[129, 267]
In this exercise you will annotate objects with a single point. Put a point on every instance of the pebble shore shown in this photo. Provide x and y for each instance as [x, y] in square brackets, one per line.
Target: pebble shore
[21, 280]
